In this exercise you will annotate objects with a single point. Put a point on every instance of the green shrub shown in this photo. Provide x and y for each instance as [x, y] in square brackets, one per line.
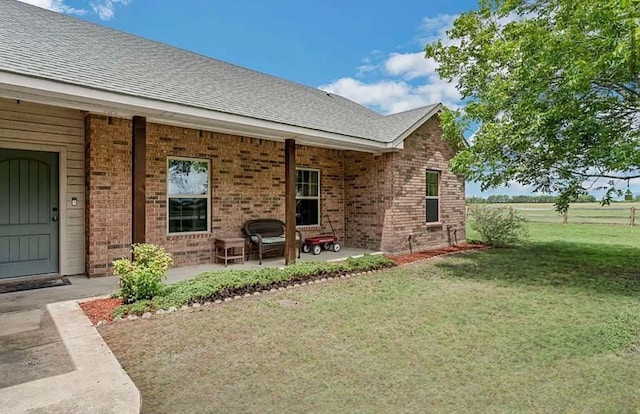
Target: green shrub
[223, 283]
[498, 227]
[142, 278]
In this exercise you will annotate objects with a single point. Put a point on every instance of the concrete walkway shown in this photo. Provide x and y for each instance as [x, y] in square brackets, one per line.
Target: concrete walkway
[97, 384]
[53, 361]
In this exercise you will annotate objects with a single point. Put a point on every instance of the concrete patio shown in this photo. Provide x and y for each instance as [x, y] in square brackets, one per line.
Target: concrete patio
[187, 272]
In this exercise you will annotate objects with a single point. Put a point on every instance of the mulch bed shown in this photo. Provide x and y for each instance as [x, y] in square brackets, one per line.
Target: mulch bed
[100, 309]
[427, 254]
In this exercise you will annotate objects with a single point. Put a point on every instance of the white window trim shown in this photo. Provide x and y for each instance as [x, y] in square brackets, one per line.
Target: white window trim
[310, 197]
[438, 197]
[207, 196]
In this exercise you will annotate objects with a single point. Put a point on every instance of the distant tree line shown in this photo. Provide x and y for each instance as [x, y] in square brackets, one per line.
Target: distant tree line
[497, 199]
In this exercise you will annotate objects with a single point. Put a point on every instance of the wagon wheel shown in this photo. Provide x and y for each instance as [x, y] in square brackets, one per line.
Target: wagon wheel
[336, 247]
[306, 248]
[317, 249]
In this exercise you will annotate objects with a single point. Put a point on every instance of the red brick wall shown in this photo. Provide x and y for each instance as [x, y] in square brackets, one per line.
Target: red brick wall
[374, 201]
[247, 181]
[424, 150]
[384, 195]
[108, 192]
[368, 194]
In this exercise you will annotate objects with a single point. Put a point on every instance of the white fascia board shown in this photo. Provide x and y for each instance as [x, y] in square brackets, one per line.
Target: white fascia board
[14, 86]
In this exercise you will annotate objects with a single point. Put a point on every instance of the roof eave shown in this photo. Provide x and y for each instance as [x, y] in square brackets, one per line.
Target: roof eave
[398, 141]
[45, 91]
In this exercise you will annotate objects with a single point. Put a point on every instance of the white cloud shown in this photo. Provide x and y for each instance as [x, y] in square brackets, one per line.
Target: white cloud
[440, 91]
[410, 65]
[395, 82]
[392, 96]
[55, 5]
[364, 70]
[384, 95]
[105, 9]
[435, 28]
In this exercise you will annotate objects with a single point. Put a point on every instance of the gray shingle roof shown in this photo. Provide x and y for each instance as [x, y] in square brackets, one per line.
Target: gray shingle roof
[43, 44]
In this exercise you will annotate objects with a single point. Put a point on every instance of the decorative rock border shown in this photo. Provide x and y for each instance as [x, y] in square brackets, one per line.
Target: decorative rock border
[209, 303]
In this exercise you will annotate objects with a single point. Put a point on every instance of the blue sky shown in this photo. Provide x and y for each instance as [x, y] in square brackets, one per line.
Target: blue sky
[367, 50]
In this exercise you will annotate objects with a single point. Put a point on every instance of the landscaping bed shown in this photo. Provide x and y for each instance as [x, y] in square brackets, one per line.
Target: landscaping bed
[403, 259]
[100, 309]
[223, 284]
[219, 285]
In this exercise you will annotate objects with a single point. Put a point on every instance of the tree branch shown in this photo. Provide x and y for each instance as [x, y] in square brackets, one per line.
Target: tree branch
[613, 177]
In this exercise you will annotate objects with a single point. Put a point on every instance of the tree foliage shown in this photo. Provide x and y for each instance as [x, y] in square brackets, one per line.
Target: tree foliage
[554, 86]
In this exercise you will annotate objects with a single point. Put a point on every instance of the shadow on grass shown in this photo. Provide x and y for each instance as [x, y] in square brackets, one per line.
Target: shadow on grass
[605, 269]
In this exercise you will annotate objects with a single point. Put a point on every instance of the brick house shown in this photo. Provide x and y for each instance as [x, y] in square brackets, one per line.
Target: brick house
[108, 139]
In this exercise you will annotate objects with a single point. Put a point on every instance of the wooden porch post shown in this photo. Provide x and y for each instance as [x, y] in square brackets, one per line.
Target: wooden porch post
[290, 201]
[138, 176]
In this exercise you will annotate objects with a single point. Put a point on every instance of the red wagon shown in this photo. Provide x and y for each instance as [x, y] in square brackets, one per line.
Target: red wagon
[316, 244]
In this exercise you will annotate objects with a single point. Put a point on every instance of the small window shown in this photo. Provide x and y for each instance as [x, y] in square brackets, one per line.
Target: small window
[433, 197]
[307, 197]
[188, 195]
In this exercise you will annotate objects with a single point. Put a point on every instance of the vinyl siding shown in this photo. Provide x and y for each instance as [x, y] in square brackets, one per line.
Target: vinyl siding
[37, 127]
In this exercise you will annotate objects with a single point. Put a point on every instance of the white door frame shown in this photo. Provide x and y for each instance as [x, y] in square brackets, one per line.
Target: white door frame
[62, 192]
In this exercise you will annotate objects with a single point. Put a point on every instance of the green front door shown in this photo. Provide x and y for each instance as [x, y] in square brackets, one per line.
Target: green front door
[29, 213]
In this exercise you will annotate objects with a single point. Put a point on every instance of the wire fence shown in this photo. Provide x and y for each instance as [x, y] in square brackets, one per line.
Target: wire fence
[587, 213]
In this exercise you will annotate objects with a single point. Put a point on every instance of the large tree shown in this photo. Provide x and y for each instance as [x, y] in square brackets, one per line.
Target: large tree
[554, 87]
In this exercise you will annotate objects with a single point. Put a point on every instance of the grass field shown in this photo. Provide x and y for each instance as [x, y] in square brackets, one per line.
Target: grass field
[550, 326]
[579, 213]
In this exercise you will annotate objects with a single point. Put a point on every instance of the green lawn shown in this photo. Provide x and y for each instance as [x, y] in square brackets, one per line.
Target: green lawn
[551, 326]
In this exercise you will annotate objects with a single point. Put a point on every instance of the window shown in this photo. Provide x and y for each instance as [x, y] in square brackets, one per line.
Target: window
[433, 196]
[307, 197]
[188, 195]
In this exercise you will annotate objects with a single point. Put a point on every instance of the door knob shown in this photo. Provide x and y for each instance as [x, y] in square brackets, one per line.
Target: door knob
[54, 218]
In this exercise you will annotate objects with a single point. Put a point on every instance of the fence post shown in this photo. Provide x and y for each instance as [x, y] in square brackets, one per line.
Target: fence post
[633, 216]
[565, 217]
